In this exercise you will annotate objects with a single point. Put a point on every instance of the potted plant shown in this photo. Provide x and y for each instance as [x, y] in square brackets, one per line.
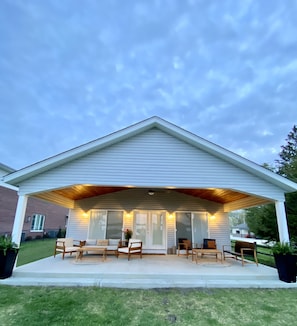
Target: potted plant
[285, 260]
[128, 234]
[8, 253]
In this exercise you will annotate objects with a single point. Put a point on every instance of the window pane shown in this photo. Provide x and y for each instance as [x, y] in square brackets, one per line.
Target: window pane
[97, 227]
[157, 226]
[183, 226]
[37, 222]
[114, 225]
[200, 227]
[33, 222]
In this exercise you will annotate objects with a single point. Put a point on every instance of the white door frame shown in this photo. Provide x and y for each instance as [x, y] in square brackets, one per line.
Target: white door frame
[148, 217]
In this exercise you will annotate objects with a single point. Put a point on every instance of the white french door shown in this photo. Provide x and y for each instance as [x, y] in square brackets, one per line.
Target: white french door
[150, 227]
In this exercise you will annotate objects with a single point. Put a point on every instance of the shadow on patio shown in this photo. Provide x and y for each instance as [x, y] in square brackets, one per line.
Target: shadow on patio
[152, 271]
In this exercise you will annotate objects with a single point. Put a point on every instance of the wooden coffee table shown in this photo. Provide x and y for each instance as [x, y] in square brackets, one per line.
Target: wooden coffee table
[198, 251]
[99, 250]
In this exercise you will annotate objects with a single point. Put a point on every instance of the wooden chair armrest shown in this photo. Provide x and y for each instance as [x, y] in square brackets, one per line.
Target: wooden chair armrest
[122, 244]
[247, 249]
[82, 243]
[226, 246]
[179, 245]
[78, 243]
[133, 245]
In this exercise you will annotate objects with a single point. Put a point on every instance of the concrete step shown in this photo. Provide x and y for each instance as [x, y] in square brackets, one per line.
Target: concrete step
[137, 276]
[146, 283]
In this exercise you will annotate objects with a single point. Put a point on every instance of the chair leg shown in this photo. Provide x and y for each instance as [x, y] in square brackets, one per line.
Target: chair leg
[256, 259]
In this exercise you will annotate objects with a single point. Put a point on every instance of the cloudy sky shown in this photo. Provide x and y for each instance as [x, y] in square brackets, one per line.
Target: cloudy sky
[72, 71]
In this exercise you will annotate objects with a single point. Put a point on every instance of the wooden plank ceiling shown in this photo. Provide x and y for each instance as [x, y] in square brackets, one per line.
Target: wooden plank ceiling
[78, 192]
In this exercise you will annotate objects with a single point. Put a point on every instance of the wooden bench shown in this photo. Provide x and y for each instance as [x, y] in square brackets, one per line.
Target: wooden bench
[241, 249]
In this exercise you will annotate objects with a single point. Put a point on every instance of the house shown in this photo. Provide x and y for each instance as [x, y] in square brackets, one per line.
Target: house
[40, 216]
[241, 230]
[155, 178]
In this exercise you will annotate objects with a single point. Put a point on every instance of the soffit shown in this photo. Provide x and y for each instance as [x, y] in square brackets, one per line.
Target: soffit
[222, 196]
[85, 191]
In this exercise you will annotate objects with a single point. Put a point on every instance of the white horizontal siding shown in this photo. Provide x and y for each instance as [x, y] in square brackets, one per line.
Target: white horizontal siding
[78, 224]
[219, 229]
[171, 232]
[152, 159]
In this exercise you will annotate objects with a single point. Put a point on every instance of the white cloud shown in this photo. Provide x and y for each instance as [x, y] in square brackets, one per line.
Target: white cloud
[224, 70]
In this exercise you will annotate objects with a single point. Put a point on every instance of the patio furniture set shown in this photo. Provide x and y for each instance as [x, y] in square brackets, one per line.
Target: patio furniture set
[94, 246]
[209, 247]
[134, 246]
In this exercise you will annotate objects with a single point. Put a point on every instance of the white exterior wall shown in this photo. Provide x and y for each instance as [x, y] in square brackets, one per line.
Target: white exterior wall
[152, 159]
[219, 228]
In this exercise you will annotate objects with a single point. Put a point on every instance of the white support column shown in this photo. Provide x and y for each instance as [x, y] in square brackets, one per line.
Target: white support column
[282, 221]
[19, 219]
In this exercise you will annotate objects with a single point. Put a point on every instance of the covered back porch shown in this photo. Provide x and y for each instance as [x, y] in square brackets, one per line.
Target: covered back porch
[152, 271]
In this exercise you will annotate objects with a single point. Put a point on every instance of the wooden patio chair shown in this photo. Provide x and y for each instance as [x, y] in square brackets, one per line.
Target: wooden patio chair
[209, 244]
[134, 247]
[184, 244]
[66, 245]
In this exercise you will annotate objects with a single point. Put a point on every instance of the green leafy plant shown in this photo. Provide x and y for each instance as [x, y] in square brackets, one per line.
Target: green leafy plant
[6, 243]
[128, 234]
[283, 248]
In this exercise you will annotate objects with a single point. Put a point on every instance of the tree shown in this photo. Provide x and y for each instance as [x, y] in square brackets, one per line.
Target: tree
[262, 220]
[287, 164]
[287, 167]
[237, 217]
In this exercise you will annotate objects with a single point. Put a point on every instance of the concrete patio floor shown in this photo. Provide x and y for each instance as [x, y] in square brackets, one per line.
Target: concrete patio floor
[152, 271]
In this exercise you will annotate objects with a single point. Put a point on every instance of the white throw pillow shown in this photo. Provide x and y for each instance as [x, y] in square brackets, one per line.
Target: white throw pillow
[91, 242]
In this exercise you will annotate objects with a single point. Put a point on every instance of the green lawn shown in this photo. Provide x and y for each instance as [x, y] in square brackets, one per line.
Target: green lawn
[35, 250]
[96, 306]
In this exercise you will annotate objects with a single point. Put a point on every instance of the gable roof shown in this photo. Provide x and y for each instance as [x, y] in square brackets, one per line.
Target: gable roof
[4, 169]
[154, 122]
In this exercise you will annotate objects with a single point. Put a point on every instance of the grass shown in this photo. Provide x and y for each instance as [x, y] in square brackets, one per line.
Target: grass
[99, 306]
[34, 250]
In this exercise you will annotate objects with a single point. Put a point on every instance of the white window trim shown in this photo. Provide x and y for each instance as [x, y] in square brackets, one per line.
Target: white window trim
[36, 219]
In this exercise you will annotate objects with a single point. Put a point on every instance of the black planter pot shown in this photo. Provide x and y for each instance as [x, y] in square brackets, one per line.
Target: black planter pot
[7, 261]
[286, 267]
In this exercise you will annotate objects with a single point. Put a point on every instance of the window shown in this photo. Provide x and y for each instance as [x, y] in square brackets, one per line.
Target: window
[192, 226]
[106, 224]
[37, 222]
